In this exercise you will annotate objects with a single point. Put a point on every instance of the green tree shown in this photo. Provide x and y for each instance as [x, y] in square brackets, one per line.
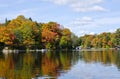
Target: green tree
[75, 40]
[117, 36]
[65, 41]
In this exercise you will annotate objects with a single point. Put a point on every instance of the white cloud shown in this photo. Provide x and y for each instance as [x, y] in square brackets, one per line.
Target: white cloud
[60, 2]
[88, 25]
[81, 5]
[82, 21]
[92, 8]
[82, 32]
[91, 33]
[98, 8]
[111, 30]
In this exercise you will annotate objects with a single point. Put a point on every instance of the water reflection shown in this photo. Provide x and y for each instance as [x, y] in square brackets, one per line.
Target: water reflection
[51, 65]
[108, 57]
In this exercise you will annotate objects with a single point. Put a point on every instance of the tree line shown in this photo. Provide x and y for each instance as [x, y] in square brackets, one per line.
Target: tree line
[24, 32]
[103, 40]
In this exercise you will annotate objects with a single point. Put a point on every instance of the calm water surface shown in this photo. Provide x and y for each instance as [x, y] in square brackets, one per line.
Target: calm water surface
[61, 65]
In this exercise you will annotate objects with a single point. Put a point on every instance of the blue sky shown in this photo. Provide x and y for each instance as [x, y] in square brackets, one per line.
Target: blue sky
[80, 16]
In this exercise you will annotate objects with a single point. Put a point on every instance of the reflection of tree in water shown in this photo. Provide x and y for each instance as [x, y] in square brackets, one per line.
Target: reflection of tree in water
[118, 63]
[55, 63]
[51, 64]
[31, 65]
[107, 57]
[6, 67]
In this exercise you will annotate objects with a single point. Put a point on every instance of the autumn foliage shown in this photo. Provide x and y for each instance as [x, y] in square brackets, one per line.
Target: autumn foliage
[103, 40]
[23, 31]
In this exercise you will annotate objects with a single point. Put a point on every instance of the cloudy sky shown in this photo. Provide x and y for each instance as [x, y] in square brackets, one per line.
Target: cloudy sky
[80, 16]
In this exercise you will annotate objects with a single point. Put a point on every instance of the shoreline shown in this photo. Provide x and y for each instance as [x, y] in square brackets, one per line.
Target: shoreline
[95, 49]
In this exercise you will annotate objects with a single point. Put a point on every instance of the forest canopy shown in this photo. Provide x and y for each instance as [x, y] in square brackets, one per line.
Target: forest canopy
[23, 31]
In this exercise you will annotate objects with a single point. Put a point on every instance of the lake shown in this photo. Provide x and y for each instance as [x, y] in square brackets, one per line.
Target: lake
[102, 64]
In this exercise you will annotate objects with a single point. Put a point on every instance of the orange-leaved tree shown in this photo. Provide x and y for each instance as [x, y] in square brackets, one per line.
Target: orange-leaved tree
[6, 36]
